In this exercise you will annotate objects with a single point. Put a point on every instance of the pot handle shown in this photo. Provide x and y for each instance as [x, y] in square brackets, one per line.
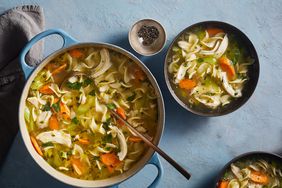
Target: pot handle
[68, 40]
[154, 161]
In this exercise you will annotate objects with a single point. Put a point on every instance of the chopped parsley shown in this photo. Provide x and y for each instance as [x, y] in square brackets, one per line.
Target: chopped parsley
[200, 60]
[108, 138]
[111, 106]
[69, 152]
[116, 150]
[46, 107]
[75, 120]
[47, 144]
[96, 157]
[87, 82]
[92, 93]
[74, 86]
[56, 107]
[132, 97]
[106, 124]
[107, 148]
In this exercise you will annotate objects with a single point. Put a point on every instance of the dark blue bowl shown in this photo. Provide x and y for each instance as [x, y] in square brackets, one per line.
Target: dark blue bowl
[253, 70]
[250, 155]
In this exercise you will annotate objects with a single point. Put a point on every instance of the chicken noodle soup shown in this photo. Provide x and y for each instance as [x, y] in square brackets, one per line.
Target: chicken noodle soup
[208, 68]
[68, 118]
[255, 173]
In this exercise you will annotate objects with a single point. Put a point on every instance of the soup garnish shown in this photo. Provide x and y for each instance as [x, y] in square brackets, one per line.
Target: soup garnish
[73, 130]
[255, 173]
[208, 68]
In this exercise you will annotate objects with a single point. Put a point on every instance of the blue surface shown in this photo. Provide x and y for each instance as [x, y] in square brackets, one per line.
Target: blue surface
[201, 145]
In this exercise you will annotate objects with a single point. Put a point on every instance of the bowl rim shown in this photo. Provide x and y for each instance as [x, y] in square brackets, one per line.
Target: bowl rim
[150, 20]
[242, 156]
[91, 183]
[168, 84]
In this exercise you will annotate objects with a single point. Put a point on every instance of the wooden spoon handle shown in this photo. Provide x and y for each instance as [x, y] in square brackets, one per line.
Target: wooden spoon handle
[180, 169]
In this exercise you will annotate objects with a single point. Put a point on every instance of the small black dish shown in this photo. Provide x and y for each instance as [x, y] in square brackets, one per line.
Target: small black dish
[253, 70]
[249, 155]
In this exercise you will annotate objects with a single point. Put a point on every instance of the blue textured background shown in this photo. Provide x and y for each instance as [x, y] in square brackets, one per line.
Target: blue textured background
[202, 145]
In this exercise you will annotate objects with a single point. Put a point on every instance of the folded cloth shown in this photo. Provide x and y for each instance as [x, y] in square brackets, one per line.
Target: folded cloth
[17, 27]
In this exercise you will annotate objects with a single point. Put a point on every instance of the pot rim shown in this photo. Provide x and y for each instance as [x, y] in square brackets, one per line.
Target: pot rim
[91, 183]
[178, 100]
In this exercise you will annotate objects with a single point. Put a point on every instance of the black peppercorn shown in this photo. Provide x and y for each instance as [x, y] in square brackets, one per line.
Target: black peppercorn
[149, 34]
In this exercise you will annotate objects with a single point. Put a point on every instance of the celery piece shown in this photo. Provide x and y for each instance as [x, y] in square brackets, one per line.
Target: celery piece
[27, 114]
[64, 155]
[39, 81]
[83, 108]
[175, 48]
[211, 60]
[48, 153]
[57, 159]
[31, 125]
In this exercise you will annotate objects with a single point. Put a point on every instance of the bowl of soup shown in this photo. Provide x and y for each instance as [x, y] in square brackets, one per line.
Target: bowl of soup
[253, 169]
[211, 68]
[65, 118]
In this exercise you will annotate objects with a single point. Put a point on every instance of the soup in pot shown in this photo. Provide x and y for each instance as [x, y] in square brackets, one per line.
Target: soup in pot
[68, 118]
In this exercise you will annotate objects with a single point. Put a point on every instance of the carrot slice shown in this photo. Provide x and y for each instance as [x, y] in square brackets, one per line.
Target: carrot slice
[134, 139]
[59, 69]
[139, 74]
[36, 145]
[121, 112]
[56, 100]
[110, 169]
[78, 166]
[46, 89]
[84, 141]
[75, 53]
[259, 177]
[65, 112]
[187, 84]
[53, 122]
[214, 31]
[51, 66]
[223, 184]
[109, 159]
[227, 66]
